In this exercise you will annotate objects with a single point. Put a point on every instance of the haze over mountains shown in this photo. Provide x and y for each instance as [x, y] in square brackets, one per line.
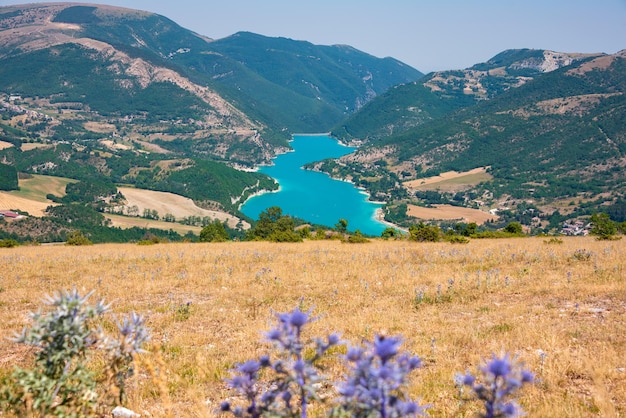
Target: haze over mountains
[131, 97]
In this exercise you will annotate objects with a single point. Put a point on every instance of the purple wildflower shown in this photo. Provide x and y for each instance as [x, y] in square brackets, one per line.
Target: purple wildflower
[291, 375]
[502, 377]
[375, 383]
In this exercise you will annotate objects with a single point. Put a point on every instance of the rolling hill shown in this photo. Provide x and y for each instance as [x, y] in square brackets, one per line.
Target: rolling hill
[111, 96]
[548, 125]
[99, 93]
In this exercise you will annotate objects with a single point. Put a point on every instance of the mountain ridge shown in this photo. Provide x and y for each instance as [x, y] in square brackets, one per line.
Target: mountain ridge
[112, 96]
[97, 92]
[546, 124]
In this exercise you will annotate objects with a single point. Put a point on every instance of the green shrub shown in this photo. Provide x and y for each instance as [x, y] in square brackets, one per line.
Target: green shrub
[77, 238]
[424, 233]
[8, 243]
[357, 238]
[214, 232]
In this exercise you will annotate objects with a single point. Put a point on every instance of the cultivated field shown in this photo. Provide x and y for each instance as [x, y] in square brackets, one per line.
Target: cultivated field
[174, 204]
[453, 304]
[450, 181]
[125, 222]
[31, 197]
[449, 212]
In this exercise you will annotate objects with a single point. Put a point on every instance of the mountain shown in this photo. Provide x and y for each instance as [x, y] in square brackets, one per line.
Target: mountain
[547, 125]
[119, 63]
[94, 92]
[440, 93]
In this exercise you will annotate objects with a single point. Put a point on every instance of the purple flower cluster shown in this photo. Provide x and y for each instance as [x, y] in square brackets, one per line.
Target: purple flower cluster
[293, 377]
[502, 377]
[374, 386]
[377, 376]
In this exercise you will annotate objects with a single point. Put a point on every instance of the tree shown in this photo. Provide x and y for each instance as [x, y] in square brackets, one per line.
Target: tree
[214, 232]
[8, 177]
[342, 226]
[513, 228]
[274, 226]
[77, 238]
[603, 227]
[391, 233]
[424, 233]
[470, 229]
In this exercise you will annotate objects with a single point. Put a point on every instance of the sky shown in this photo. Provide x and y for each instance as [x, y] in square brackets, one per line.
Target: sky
[429, 35]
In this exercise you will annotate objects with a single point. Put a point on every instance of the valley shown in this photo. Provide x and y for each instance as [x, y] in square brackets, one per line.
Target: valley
[93, 94]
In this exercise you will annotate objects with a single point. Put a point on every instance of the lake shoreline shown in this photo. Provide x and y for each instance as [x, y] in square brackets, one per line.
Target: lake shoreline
[316, 199]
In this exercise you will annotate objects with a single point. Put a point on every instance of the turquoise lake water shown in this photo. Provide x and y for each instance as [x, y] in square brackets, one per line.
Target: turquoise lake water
[315, 196]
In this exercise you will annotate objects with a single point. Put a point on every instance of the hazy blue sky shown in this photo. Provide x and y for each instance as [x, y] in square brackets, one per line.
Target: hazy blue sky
[426, 34]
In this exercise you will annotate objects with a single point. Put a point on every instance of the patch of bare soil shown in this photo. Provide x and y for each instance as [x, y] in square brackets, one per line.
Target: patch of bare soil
[99, 127]
[5, 145]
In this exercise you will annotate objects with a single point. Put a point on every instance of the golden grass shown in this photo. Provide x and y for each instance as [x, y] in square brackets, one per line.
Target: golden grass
[126, 222]
[37, 187]
[29, 146]
[518, 295]
[165, 202]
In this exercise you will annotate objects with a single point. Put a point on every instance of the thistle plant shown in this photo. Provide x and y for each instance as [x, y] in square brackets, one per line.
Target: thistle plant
[501, 378]
[375, 384]
[121, 352]
[293, 376]
[60, 382]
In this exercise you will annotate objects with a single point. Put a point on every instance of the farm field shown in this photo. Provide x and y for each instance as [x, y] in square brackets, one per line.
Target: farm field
[449, 212]
[164, 203]
[450, 180]
[125, 222]
[32, 198]
[560, 307]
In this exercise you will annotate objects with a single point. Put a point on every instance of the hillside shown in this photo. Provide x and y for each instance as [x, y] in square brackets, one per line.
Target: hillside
[95, 93]
[236, 98]
[546, 124]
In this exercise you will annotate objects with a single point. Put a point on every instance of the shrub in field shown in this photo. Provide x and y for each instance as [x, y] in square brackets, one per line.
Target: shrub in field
[501, 378]
[424, 233]
[8, 243]
[214, 232]
[77, 238]
[60, 382]
[603, 227]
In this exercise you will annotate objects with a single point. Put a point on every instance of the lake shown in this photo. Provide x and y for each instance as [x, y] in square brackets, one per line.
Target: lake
[313, 196]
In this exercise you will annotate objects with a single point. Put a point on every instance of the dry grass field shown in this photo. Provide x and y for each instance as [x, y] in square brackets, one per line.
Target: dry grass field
[5, 145]
[525, 296]
[449, 212]
[451, 180]
[31, 197]
[174, 204]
